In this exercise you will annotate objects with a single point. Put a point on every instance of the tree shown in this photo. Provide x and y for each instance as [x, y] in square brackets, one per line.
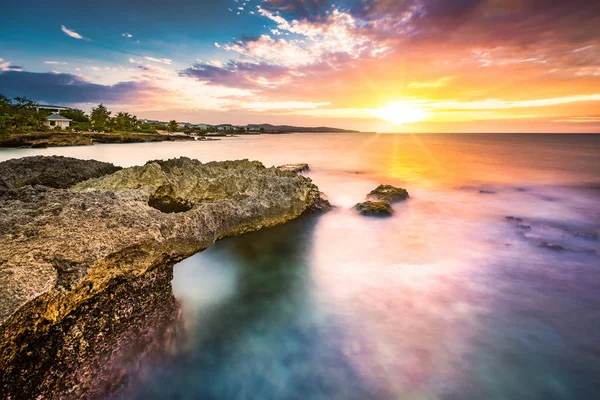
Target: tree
[26, 115]
[100, 116]
[20, 115]
[75, 114]
[124, 121]
[172, 127]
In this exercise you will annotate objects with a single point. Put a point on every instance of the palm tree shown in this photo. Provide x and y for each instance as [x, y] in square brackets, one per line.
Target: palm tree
[172, 127]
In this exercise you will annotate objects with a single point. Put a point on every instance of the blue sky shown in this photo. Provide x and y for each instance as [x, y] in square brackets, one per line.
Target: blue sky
[386, 65]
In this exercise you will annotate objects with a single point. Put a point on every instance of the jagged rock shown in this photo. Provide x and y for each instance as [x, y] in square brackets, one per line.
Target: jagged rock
[63, 248]
[388, 193]
[375, 208]
[294, 167]
[54, 171]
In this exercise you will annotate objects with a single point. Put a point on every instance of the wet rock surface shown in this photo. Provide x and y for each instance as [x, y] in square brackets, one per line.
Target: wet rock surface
[54, 171]
[375, 208]
[379, 201]
[61, 249]
[388, 193]
[295, 167]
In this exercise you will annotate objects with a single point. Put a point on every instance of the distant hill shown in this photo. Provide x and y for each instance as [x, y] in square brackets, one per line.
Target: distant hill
[289, 129]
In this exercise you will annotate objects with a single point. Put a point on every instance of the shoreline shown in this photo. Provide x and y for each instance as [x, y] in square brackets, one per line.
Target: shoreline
[86, 238]
[42, 140]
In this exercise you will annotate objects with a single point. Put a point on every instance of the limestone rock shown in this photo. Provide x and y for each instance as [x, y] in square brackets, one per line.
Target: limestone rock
[61, 248]
[375, 208]
[388, 193]
[294, 167]
[54, 171]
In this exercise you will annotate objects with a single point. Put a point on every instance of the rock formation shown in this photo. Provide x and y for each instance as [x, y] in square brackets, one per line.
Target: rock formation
[54, 171]
[294, 167]
[376, 208]
[66, 254]
[380, 199]
[388, 193]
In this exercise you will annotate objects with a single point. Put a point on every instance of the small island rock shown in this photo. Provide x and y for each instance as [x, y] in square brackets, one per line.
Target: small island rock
[375, 208]
[388, 193]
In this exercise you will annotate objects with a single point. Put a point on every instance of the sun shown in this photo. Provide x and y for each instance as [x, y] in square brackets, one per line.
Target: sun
[400, 112]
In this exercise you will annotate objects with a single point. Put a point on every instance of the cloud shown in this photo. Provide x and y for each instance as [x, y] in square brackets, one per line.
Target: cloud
[159, 60]
[71, 33]
[127, 35]
[337, 34]
[67, 88]
[239, 74]
[311, 10]
[55, 63]
[7, 66]
[217, 45]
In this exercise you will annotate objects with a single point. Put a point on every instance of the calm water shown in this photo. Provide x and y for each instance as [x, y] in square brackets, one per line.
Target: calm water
[445, 300]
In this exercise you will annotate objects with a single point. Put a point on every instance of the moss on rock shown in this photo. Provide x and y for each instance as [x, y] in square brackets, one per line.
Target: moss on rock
[375, 208]
[388, 193]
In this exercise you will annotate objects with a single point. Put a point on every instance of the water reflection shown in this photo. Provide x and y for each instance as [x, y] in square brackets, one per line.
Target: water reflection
[267, 339]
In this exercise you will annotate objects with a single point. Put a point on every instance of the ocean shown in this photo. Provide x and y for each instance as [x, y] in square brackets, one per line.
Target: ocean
[485, 284]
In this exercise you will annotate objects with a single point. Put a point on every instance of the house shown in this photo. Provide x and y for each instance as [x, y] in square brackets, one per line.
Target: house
[226, 127]
[57, 120]
[203, 127]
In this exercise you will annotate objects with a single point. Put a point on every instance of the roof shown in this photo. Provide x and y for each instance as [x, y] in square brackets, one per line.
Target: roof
[52, 107]
[57, 117]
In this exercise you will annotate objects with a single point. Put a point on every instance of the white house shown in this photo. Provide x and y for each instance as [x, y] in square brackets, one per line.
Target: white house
[57, 120]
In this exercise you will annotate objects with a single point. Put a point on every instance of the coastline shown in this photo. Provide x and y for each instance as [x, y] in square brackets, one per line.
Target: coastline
[104, 244]
[59, 139]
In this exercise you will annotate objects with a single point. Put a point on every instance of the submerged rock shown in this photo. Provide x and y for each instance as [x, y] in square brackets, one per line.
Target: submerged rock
[294, 167]
[513, 219]
[54, 171]
[63, 249]
[552, 246]
[375, 208]
[591, 236]
[388, 193]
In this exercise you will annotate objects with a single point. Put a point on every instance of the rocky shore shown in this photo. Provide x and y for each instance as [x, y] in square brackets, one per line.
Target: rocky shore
[86, 261]
[56, 139]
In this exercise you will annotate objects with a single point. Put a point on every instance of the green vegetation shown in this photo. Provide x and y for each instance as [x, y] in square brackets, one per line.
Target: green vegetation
[20, 115]
[100, 117]
[172, 127]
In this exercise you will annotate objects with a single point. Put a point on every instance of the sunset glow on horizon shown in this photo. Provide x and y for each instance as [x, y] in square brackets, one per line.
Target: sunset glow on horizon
[386, 66]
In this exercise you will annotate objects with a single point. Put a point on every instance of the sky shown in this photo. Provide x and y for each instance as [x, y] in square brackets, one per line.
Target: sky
[370, 65]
